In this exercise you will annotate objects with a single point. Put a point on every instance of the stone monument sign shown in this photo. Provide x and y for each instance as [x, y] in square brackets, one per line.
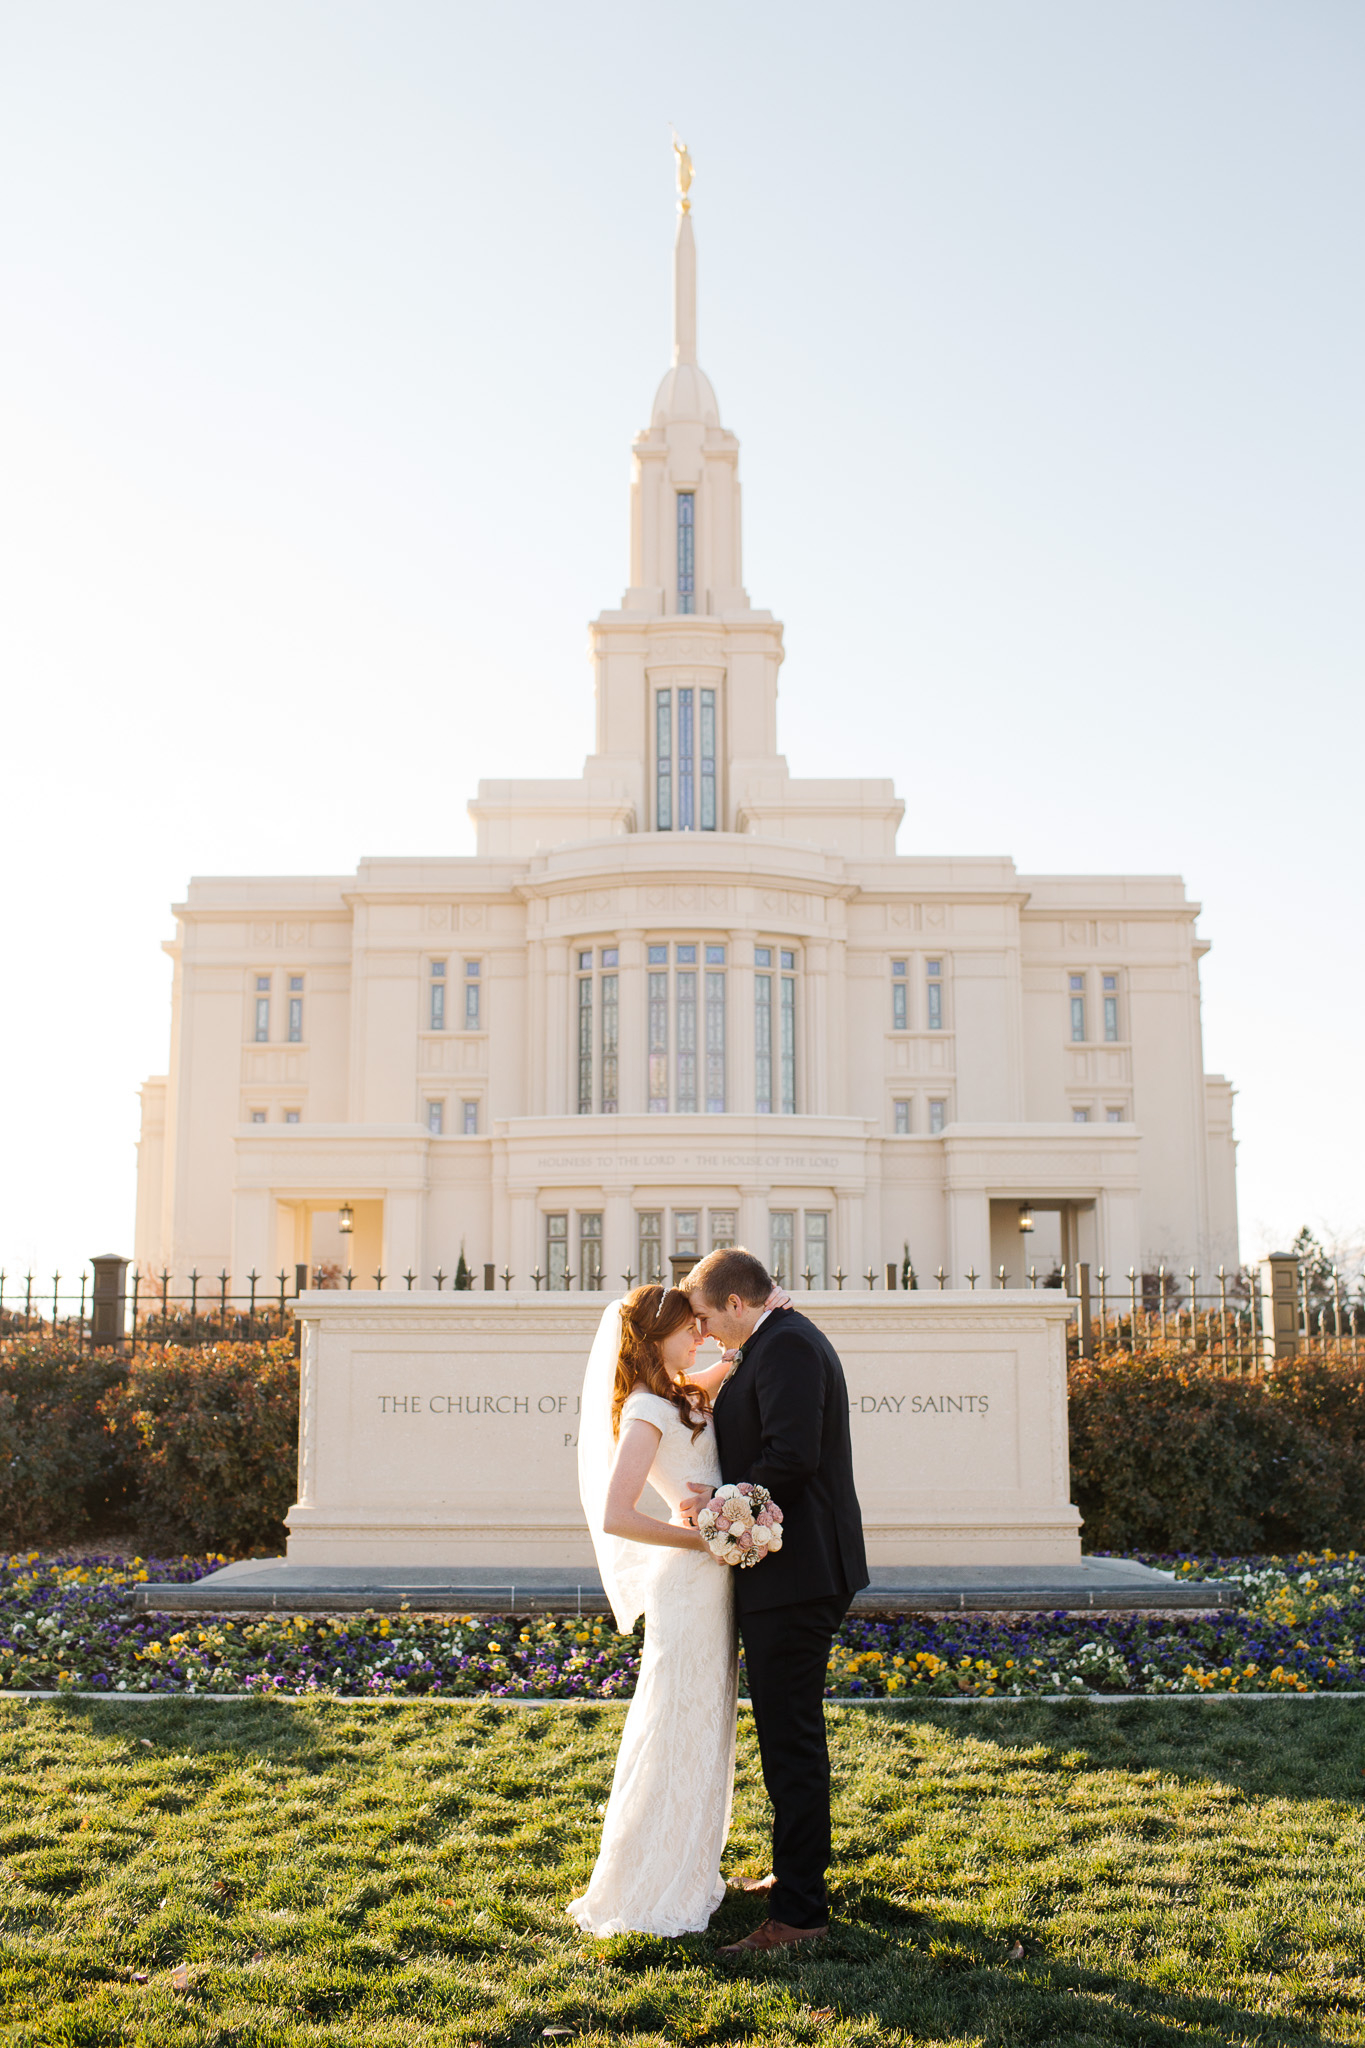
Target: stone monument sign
[442, 1428]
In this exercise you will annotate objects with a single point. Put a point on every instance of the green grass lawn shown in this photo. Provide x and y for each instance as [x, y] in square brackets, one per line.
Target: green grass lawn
[336, 1872]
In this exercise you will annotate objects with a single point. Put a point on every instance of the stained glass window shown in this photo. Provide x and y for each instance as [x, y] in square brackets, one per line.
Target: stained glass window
[611, 1044]
[663, 760]
[817, 1247]
[788, 1042]
[763, 1040]
[687, 551]
[590, 1249]
[658, 1039]
[585, 1045]
[649, 1243]
[686, 762]
[557, 1250]
[708, 760]
[782, 1245]
[685, 1002]
[715, 1038]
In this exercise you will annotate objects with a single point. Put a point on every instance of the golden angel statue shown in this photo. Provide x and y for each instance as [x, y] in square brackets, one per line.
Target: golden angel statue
[684, 156]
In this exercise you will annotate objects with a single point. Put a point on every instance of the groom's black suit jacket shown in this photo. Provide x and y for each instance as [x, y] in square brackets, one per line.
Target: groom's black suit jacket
[781, 1419]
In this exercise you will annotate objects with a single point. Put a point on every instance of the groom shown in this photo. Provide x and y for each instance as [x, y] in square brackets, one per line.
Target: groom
[781, 1420]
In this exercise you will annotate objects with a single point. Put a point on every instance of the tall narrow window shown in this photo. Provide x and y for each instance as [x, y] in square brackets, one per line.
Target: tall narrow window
[902, 1119]
[658, 1032]
[611, 1040]
[262, 1009]
[437, 1008]
[899, 1008]
[557, 1251]
[763, 1031]
[296, 1009]
[817, 1247]
[722, 1231]
[436, 1118]
[687, 551]
[686, 763]
[686, 1241]
[788, 1070]
[1111, 1008]
[663, 760]
[472, 971]
[585, 1039]
[1078, 1008]
[685, 1002]
[470, 1113]
[715, 1030]
[782, 1245]
[938, 1117]
[933, 992]
[649, 1243]
[590, 1249]
[708, 760]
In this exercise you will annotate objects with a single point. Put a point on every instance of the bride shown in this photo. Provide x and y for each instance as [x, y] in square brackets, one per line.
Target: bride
[646, 1417]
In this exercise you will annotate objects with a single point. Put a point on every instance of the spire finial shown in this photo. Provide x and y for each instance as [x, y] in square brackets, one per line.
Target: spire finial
[684, 156]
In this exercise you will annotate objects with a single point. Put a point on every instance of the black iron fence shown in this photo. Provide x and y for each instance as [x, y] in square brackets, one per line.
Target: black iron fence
[1241, 1321]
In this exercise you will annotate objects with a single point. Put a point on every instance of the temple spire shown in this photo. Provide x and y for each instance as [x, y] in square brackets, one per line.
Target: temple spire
[684, 265]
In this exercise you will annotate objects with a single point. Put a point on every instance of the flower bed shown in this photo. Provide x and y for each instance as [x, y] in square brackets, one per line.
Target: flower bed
[70, 1624]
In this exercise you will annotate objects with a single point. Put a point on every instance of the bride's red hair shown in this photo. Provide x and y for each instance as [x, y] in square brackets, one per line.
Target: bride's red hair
[649, 1316]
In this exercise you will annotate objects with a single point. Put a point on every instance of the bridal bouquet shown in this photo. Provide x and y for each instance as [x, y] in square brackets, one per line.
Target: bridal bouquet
[741, 1524]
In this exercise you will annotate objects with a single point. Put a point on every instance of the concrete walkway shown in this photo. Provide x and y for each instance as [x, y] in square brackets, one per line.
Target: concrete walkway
[1100, 1583]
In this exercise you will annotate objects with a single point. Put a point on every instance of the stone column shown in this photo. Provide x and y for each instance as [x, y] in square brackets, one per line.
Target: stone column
[404, 1217]
[969, 1237]
[631, 1010]
[618, 1240]
[253, 1234]
[555, 1050]
[753, 1223]
[739, 1022]
[814, 1058]
[848, 1250]
[535, 1021]
[522, 1207]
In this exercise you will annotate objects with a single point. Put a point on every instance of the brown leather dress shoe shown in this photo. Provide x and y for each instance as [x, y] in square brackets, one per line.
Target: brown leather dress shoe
[774, 1934]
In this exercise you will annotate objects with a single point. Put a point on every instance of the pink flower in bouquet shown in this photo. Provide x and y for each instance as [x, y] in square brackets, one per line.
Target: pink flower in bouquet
[740, 1525]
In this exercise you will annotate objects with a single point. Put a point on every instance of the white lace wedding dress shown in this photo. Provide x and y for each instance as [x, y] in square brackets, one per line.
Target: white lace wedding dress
[658, 1870]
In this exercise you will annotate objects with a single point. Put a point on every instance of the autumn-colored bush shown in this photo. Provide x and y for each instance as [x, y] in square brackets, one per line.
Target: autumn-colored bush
[194, 1448]
[1167, 1457]
[62, 1474]
[211, 1435]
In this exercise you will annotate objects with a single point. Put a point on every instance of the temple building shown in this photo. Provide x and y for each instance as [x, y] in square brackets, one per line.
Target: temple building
[686, 999]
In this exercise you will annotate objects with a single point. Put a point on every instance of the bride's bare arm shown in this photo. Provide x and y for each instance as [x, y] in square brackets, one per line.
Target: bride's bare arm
[635, 1454]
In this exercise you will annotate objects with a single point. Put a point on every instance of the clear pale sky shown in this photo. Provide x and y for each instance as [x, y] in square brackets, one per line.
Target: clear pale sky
[326, 329]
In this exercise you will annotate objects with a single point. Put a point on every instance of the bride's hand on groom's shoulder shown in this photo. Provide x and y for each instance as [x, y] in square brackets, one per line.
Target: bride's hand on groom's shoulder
[779, 1298]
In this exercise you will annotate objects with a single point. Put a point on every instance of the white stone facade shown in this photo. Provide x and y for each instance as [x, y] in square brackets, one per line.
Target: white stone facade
[685, 999]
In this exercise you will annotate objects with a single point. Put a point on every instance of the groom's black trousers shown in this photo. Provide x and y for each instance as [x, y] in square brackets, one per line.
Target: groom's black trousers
[786, 1655]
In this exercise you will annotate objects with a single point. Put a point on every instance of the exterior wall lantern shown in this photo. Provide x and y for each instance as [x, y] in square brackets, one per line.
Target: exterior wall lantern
[1025, 1218]
[346, 1220]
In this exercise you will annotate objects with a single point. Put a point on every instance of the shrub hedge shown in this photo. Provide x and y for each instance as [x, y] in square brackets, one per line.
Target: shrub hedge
[195, 1449]
[1165, 1457]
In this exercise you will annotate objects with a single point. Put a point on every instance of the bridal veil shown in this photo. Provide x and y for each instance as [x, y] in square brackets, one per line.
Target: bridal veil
[626, 1567]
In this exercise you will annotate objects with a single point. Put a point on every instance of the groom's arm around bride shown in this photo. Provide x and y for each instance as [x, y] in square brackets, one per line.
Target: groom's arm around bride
[781, 1420]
